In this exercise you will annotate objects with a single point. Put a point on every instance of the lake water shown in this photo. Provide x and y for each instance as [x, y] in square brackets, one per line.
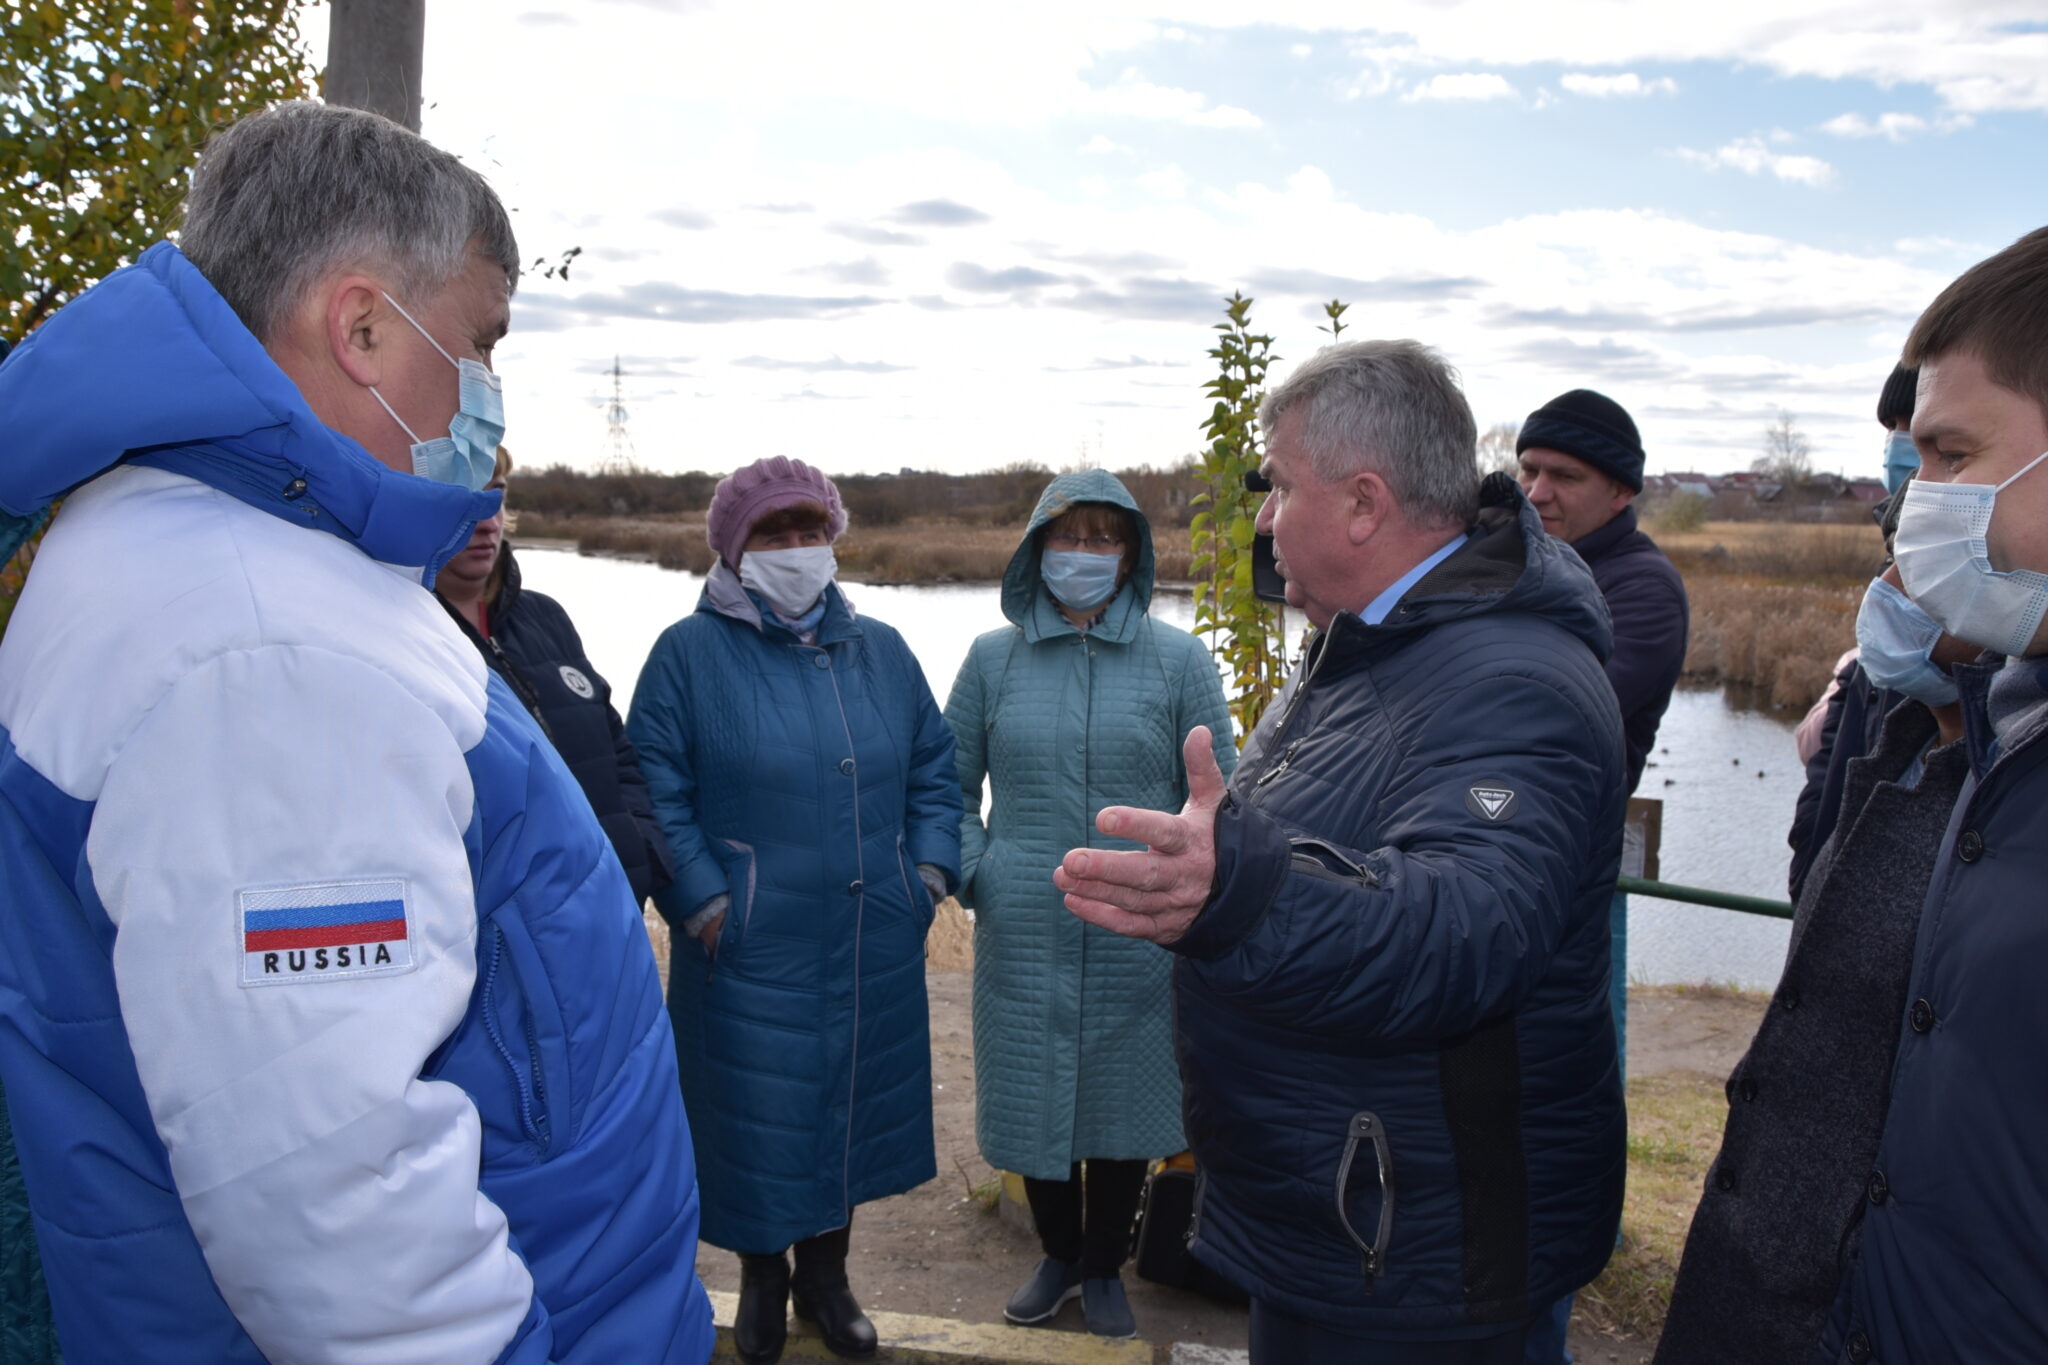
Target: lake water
[1727, 776]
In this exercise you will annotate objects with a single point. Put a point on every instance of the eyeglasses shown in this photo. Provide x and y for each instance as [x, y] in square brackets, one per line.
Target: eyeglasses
[1100, 545]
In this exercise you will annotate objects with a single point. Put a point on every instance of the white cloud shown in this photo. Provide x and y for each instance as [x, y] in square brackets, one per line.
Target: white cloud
[1135, 97]
[1301, 50]
[1978, 57]
[1169, 182]
[1896, 127]
[1102, 146]
[1627, 84]
[1464, 87]
[1752, 156]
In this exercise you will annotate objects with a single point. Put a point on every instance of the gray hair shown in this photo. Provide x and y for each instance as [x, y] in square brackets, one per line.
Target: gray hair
[288, 195]
[1393, 408]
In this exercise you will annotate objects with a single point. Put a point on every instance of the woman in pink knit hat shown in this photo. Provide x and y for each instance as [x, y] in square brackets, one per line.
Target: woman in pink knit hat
[805, 782]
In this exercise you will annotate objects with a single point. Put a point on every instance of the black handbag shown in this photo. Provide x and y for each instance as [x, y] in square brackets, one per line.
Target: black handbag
[1164, 1222]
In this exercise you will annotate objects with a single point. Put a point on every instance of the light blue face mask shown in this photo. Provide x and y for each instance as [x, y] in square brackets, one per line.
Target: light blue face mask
[1079, 580]
[468, 454]
[1896, 643]
[1901, 460]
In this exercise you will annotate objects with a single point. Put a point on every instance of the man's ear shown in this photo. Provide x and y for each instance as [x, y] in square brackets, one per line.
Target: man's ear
[1372, 504]
[355, 322]
[1623, 495]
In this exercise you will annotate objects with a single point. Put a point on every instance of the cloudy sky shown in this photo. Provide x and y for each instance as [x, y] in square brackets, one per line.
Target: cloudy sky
[953, 236]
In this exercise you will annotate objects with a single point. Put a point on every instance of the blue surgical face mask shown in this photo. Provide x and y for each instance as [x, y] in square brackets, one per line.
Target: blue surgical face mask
[468, 454]
[1079, 580]
[1901, 460]
[1896, 643]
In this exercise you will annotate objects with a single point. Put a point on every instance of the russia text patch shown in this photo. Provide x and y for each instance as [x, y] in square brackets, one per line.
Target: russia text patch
[325, 932]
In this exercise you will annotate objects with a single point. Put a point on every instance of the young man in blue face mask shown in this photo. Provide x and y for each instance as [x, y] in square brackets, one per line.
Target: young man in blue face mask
[1762, 1263]
[1945, 1260]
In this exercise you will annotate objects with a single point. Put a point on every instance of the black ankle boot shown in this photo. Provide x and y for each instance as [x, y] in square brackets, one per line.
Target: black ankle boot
[831, 1305]
[821, 1295]
[760, 1327]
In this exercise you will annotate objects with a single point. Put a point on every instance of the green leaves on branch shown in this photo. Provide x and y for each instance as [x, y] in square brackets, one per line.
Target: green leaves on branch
[104, 105]
[1243, 632]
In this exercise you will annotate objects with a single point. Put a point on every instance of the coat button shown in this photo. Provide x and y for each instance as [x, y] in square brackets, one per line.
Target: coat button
[295, 490]
[1878, 1190]
[853, 888]
[1746, 1088]
[1724, 1180]
[1788, 998]
[846, 766]
[820, 660]
[1970, 847]
[1859, 1347]
[1921, 1016]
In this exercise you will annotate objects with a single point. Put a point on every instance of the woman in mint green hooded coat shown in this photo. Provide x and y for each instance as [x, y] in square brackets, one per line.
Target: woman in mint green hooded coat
[1073, 1029]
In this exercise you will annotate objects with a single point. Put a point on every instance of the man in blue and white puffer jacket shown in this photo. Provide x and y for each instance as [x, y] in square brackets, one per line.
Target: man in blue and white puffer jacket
[327, 1023]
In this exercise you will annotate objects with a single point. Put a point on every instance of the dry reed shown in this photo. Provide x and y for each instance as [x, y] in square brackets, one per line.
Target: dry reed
[912, 552]
[1781, 640]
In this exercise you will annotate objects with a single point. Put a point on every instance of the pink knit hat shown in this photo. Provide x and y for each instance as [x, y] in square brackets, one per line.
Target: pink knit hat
[746, 495]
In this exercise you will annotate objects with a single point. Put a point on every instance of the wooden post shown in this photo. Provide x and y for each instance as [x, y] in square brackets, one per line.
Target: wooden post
[375, 49]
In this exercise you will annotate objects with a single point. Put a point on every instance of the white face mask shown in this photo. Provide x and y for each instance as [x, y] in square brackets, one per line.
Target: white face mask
[789, 581]
[1946, 565]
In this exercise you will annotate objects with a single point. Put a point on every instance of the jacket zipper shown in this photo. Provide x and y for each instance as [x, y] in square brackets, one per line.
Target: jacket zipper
[1287, 719]
[1278, 768]
[859, 914]
[1366, 1127]
[533, 1129]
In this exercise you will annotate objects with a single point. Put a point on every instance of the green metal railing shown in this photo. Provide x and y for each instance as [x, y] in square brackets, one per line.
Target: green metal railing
[1700, 895]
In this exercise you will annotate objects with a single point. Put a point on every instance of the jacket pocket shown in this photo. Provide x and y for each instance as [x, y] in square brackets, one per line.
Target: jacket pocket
[921, 902]
[1366, 1130]
[519, 1028]
[1326, 860]
[740, 871]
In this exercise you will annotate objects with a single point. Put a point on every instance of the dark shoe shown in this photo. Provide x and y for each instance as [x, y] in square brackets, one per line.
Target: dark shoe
[831, 1305]
[1052, 1286]
[760, 1326]
[1107, 1310]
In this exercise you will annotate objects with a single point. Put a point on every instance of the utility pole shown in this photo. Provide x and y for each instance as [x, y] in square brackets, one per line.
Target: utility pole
[375, 49]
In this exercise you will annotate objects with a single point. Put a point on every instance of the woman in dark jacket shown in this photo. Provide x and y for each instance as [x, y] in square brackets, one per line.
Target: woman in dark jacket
[806, 783]
[527, 640]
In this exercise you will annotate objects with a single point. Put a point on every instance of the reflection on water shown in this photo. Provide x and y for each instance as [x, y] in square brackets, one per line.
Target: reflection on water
[1724, 825]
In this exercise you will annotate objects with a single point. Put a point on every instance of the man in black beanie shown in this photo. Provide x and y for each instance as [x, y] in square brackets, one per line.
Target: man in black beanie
[1581, 463]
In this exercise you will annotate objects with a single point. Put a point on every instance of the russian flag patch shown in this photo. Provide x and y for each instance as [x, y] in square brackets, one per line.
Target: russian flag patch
[325, 932]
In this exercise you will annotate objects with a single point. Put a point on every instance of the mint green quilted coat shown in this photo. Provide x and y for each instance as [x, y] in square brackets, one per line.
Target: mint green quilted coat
[1073, 1027]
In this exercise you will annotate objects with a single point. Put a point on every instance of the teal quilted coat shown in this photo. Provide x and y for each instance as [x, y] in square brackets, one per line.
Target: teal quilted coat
[1073, 1027]
[807, 782]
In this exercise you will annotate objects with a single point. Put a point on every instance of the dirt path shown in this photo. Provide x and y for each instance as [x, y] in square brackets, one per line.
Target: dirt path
[940, 1250]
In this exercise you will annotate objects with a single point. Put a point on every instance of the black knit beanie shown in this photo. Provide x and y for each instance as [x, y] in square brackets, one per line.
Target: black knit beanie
[1591, 426]
[1896, 402]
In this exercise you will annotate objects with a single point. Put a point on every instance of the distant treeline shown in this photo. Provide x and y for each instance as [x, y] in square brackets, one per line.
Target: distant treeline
[997, 497]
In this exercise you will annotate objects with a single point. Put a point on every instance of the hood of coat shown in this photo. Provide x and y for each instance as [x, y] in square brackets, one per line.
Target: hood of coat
[1509, 563]
[1025, 600]
[151, 365]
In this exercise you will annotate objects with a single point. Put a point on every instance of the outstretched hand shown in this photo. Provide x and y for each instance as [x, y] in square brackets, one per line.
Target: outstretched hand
[1155, 893]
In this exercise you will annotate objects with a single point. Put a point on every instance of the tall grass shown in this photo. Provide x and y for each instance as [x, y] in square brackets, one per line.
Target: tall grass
[1779, 639]
[1773, 606]
[1793, 554]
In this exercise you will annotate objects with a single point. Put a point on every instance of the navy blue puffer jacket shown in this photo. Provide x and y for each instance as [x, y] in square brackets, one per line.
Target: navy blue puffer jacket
[1393, 1024]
